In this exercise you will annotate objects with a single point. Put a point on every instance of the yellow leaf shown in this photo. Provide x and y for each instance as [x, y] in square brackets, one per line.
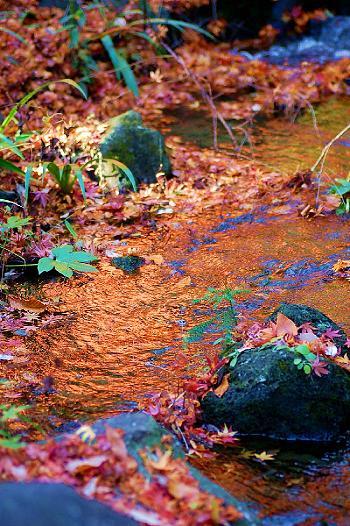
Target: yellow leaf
[184, 282]
[221, 390]
[86, 433]
[156, 258]
[263, 456]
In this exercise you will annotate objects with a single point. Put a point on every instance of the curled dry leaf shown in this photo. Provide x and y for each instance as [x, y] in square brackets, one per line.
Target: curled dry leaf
[30, 305]
[221, 390]
[156, 258]
[285, 326]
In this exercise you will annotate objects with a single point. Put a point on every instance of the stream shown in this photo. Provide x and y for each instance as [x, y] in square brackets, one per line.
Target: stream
[122, 332]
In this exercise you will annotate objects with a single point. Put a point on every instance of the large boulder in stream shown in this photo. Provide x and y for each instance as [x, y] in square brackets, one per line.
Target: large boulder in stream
[141, 149]
[269, 396]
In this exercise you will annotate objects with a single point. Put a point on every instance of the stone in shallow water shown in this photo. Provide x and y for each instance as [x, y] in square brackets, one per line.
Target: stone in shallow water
[141, 149]
[269, 396]
[128, 264]
[39, 504]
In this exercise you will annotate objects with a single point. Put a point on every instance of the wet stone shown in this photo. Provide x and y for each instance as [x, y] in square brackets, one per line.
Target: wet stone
[303, 314]
[269, 396]
[40, 504]
[128, 264]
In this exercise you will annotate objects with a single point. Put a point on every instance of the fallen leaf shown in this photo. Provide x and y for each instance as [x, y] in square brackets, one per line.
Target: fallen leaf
[221, 390]
[30, 305]
[264, 456]
[78, 465]
[156, 258]
[285, 326]
[115, 438]
[184, 282]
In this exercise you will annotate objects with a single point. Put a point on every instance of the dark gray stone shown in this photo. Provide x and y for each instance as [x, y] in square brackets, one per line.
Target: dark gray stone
[141, 149]
[269, 396]
[39, 504]
[303, 314]
[128, 264]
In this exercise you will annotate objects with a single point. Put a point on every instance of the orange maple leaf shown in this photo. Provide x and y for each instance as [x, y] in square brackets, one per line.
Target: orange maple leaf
[285, 326]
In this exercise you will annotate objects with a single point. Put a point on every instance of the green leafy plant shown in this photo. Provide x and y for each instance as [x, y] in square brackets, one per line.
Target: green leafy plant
[66, 176]
[342, 189]
[16, 145]
[303, 357]
[75, 20]
[13, 223]
[66, 260]
[9, 414]
[223, 321]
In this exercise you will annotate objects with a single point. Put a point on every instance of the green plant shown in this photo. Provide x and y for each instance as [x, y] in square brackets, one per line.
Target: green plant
[66, 260]
[342, 189]
[304, 358]
[13, 223]
[75, 20]
[16, 145]
[66, 176]
[8, 415]
[223, 321]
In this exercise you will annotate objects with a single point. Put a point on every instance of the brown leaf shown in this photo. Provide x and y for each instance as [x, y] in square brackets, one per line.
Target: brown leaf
[156, 258]
[115, 438]
[285, 326]
[30, 305]
[221, 390]
[81, 464]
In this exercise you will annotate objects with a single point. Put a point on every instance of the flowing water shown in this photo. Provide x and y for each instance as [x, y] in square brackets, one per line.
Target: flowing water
[123, 331]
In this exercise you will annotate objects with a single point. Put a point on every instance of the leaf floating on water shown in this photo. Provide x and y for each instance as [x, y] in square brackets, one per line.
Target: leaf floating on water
[184, 282]
[264, 456]
[156, 258]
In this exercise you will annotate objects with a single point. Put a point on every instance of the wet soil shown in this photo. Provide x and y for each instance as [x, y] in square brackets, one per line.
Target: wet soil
[123, 332]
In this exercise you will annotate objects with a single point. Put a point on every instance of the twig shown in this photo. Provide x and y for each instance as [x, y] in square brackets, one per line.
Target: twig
[216, 115]
[325, 150]
[322, 158]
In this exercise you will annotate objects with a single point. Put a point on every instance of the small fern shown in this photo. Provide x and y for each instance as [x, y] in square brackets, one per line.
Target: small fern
[223, 320]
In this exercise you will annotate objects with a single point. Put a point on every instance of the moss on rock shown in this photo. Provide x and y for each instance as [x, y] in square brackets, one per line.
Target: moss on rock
[141, 149]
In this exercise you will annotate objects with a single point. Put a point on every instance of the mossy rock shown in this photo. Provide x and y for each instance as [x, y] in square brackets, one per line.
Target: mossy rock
[269, 396]
[141, 149]
[303, 314]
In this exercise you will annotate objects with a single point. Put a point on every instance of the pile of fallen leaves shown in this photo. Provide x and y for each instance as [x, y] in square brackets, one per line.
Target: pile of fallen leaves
[284, 332]
[105, 471]
[181, 412]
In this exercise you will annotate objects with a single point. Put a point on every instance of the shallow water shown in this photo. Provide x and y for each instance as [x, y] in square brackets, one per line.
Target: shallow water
[123, 332]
